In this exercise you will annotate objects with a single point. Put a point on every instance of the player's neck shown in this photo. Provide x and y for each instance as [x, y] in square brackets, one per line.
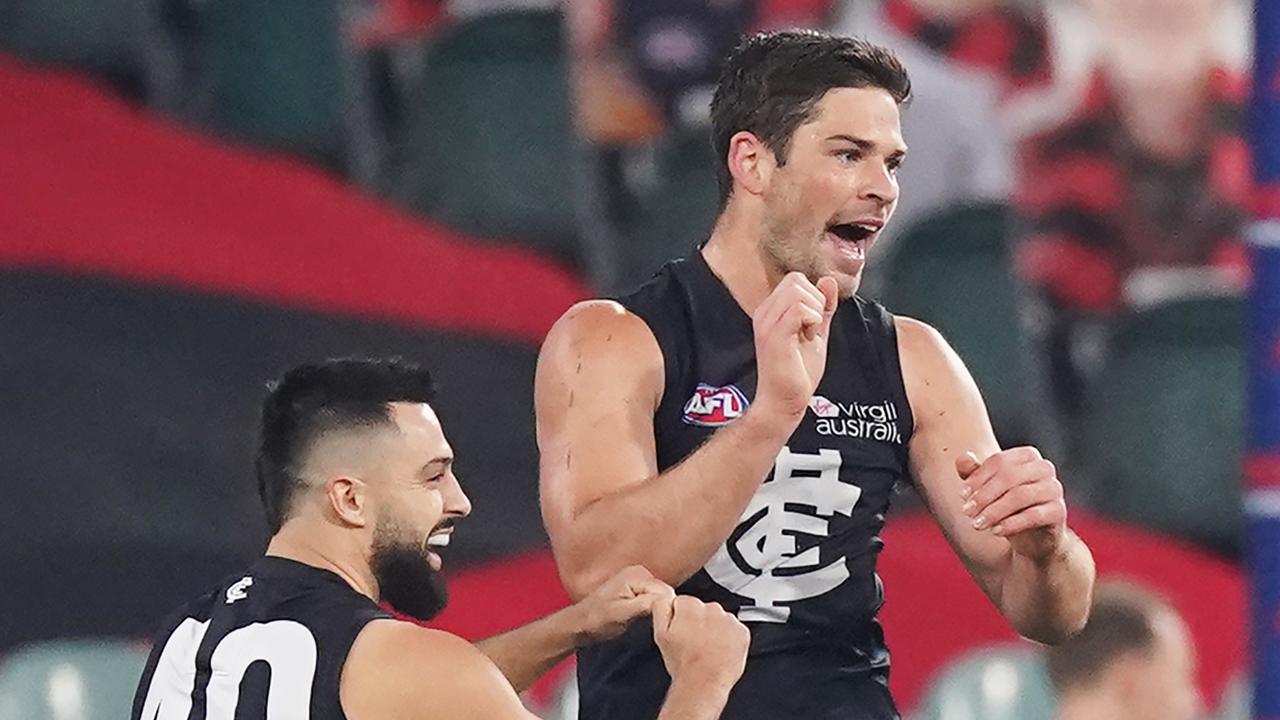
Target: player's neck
[733, 253]
[305, 545]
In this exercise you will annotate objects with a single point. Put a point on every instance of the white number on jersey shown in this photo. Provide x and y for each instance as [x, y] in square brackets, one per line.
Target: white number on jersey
[287, 646]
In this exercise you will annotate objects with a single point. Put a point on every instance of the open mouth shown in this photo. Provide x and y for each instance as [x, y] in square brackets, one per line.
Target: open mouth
[853, 232]
[436, 541]
[852, 238]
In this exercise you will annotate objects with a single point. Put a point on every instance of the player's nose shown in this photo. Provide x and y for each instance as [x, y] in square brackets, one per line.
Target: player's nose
[878, 182]
[456, 502]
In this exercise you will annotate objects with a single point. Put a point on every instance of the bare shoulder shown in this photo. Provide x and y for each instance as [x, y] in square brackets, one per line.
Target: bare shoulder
[918, 338]
[931, 369]
[602, 326]
[398, 669]
[922, 348]
[602, 336]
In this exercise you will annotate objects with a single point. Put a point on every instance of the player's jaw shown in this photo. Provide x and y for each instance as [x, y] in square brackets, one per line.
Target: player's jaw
[407, 572]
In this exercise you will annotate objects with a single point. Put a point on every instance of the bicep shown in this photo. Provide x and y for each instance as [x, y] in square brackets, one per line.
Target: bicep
[595, 394]
[951, 419]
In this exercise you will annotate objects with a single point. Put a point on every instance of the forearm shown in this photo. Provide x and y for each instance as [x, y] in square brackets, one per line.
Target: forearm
[673, 523]
[528, 652]
[693, 701]
[1048, 601]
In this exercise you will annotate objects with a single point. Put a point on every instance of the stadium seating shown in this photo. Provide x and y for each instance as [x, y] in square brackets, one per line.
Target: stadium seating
[953, 270]
[82, 679]
[101, 37]
[993, 684]
[488, 131]
[1164, 424]
[262, 81]
[675, 213]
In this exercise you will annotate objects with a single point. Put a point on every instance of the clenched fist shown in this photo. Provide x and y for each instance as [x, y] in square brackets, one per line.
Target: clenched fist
[610, 608]
[791, 328]
[700, 642]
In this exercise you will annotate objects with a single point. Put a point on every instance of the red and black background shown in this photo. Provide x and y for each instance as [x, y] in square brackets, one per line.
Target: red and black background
[153, 280]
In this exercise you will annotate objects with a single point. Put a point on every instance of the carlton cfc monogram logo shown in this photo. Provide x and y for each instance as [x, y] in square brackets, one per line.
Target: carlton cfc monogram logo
[714, 406]
[763, 561]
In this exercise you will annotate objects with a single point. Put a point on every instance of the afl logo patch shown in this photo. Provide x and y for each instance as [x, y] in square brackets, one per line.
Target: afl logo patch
[714, 406]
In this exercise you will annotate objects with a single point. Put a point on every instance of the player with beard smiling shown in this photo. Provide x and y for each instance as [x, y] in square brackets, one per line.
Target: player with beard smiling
[357, 481]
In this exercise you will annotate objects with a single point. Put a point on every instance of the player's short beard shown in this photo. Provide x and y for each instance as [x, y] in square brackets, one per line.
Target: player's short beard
[406, 580]
[786, 251]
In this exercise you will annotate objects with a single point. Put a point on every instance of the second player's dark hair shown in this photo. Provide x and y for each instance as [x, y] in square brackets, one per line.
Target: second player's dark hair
[316, 398]
[1122, 621]
[770, 84]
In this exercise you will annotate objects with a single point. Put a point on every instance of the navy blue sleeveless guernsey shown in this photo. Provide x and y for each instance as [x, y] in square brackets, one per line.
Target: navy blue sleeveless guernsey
[268, 643]
[800, 567]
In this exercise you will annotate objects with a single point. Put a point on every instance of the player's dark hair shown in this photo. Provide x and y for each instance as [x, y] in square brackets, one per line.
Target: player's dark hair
[771, 83]
[1122, 621]
[317, 398]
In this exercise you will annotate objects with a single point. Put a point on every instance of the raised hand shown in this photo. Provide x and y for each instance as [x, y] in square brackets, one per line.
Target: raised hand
[791, 328]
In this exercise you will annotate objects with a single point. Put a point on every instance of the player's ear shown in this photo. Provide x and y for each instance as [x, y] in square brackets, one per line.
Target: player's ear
[348, 499]
[750, 162]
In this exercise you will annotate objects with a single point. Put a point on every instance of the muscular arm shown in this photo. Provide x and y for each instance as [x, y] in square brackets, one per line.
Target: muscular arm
[399, 671]
[600, 378]
[526, 653]
[1026, 560]
[605, 505]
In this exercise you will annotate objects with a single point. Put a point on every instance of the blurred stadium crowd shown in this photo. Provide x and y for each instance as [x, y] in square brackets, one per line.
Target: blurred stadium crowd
[195, 194]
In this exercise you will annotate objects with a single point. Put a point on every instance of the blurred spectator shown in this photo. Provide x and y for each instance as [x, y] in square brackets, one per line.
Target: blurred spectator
[1133, 661]
[639, 65]
[960, 151]
[1144, 178]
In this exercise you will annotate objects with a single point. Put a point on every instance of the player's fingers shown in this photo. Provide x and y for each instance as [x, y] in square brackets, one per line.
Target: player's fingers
[978, 478]
[807, 290]
[799, 318]
[1007, 477]
[1043, 515]
[633, 578]
[685, 611]
[1015, 500]
[662, 611]
[632, 608]
[653, 590]
[830, 290]
[767, 313]
[996, 466]
[794, 289]
[966, 464]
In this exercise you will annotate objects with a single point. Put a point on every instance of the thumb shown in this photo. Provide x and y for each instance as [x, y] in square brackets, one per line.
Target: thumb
[830, 295]
[663, 608]
[966, 464]
[635, 607]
